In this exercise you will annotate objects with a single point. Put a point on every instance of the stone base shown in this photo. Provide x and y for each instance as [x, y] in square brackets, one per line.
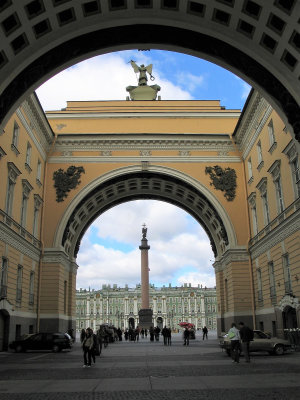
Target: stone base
[145, 318]
[143, 92]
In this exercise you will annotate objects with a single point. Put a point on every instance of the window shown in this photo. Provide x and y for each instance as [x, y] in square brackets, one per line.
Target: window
[279, 195]
[31, 288]
[36, 212]
[252, 203]
[39, 171]
[15, 138]
[271, 135]
[26, 191]
[296, 175]
[19, 284]
[292, 154]
[13, 173]
[272, 281]
[274, 170]
[287, 274]
[259, 155]
[250, 172]
[28, 155]
[262, 187]
[266, 208]
[259, 285]
[3, 282]
[65, 296]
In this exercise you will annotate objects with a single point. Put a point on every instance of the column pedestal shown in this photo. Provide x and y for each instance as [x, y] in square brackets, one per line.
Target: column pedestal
[145, 318]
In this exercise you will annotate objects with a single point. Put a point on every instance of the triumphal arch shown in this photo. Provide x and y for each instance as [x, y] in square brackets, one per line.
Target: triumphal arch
[236, 173]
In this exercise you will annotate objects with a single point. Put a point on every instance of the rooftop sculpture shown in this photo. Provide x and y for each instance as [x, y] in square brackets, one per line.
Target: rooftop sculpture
[143, 91]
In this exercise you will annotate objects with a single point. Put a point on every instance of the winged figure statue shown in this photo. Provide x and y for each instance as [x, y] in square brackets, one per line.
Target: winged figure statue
[142, 71]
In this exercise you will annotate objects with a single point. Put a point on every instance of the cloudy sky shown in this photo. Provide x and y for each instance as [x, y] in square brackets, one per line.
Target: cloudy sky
[180, 250]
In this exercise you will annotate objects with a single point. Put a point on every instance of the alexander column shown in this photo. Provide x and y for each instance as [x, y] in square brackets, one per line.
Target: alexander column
[145, 313]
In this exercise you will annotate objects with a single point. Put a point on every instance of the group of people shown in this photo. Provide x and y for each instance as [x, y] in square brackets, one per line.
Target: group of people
[90, 342]
[240, 337]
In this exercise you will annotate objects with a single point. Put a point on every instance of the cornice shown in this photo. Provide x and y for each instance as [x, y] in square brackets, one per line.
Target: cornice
[56, 256]
[40, 148]
[115, 115]
[286, 228]
[13, 239]
[100, 141]
[153, 159]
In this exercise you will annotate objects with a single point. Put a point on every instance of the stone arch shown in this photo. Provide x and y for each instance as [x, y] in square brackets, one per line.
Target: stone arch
[131, 183]
[41, 38]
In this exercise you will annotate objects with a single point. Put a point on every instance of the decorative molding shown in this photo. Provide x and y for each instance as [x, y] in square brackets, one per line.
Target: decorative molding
[64, 181]
[115, 115]
[106, 141]
[2, 153]
[289, 301]
[184, 153]
[27, 188]
[234, 255]
[223, 179]
[137, 159]
[106, 153]
[252, 199]
[262, 186]
[67, 153]
[56, 256]
[15, 240]
[145, 153]
[274, 170]
[13, 171]
[42, 148]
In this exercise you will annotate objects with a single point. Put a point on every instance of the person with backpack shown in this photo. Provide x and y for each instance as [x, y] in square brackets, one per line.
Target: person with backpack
[246, 335]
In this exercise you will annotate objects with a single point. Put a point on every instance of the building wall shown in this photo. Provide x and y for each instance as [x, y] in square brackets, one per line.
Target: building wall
[24, 145]
[115, 306]
[278, 237]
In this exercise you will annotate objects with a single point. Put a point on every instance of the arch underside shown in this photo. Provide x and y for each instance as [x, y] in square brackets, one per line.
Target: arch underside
[144, 185]
[152, 36]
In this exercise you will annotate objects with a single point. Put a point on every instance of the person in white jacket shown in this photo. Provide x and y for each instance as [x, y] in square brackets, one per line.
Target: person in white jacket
[234, 336]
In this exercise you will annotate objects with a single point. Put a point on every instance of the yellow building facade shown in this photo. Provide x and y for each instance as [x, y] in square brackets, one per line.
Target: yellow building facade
[197, 155]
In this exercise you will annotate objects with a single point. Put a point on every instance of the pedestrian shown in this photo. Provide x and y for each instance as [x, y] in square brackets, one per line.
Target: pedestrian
[164, 333]
[82, 335]
[156, 333]
[126, 334]
[95, 350]
[87, 346]
[146, 333]
[142, 333]
[246, 335]
[204, 331]
[234, 336]
[137, 334]
[186, 336]
[169, 336]
[119, 333]
[151, 331]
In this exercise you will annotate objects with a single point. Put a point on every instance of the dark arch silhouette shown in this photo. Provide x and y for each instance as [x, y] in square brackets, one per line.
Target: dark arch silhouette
[144, 185]
[165, 37]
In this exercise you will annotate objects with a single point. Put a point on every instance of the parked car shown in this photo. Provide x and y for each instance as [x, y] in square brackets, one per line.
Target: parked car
[261, 342]
[42, 341]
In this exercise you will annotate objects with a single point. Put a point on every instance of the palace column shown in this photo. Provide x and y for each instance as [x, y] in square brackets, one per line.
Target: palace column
[145, 313]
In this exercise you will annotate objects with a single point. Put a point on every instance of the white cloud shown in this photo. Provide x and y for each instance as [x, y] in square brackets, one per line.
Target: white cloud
[177, 245]
[100, 78]
[189, 81]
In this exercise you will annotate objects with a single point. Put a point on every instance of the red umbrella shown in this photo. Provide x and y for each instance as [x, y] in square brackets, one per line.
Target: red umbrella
[186, 324]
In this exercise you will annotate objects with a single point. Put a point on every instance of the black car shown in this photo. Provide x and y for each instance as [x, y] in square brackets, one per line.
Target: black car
[42, 341]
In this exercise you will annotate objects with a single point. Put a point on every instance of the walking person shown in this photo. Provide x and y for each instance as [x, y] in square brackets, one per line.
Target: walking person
[164, 333]
[186, 336]
[234, 336]
[82, 335]
[87, 346]
[142, 333]
[169, 336]
[246, 335]
[95, 350]
[146, 333]
[151, 331]
[204, 331]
